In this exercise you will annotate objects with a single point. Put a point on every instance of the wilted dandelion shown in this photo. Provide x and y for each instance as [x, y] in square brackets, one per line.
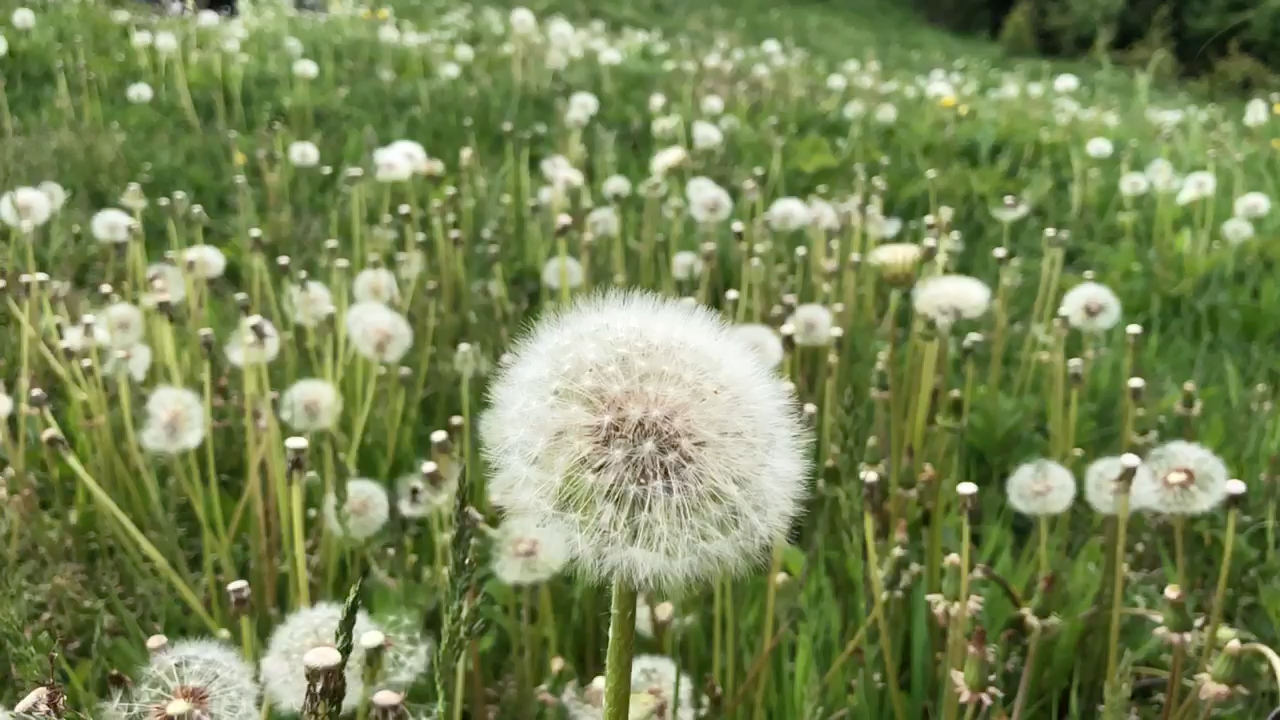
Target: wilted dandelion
[310, 405]
[378, 333]
[1185, 479]
[651, 444]
[1091, 307]
[283, 673]
[363, 514]
[526, 552]
[175, 421]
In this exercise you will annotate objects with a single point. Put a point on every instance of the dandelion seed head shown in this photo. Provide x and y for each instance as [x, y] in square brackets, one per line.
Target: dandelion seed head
[1101, 487]
[616, 187]
[944, 299]
[1133, 184]
[201, 678]
[527, 552]
[663, 445]
[303, 154]
[378, 333]
[560, 272]
[1041, 487]
[306, 69]
[763, 341]
[787, 214]
[254, 342]
[25, 209]
[686, 265]
[283, 671]
[812, 324]
[205, 261]
[708, 202]
[431, 488]
[175, 421]
[309, 303]
[1237, 230]
[1186, 479]
[1252, 205]
[1091, 307]
[139, 93]
[375, 285]
[124, 324]
[667, 159]
[310, 405]
[603, 222]
[364, 513]
[135, 360]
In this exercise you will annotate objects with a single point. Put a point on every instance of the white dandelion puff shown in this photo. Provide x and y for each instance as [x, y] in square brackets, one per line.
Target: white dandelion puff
[309, 304]
[306, 69]
[667, 159]
[135, 360]
[283, 673]
[708, 202]
[603, 222]
[430, 489]
[310, 405]
[303, 154]
[1196, 186]
[1186, 479]
[944, 299]
[706, 136]
[375, 285]
[1041, 487]
[112, 226]
[23, 19]
[1133, 184]
[787, 214]
[254, 342]
[1091, 307]
[664, 445]
[812, 324]
[686, 265]
[378, 333]
[25, 209]
[208, 678]
[175, 421]
[1256, 113]
[561, 272]
[1099, 148]
[1101, 488]
[167, 285]
[139, 93]
[1252, 205]
[764, 342]
[56, 193]
[1237, 230]
[526, 552]
[363, 514]
[205, 261]
[616, 187]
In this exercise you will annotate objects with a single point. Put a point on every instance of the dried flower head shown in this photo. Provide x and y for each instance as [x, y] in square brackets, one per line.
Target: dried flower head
[664, 445]
[1186, 479]
[1041, 487]
[526, 552]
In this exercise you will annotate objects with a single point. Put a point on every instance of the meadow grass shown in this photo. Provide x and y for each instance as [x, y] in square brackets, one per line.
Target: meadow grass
[274, 227]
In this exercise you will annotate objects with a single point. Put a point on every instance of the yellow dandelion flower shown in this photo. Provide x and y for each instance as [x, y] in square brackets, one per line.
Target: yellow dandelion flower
[1275, 143]
[239, 159]
[1275, 109]
[383, 13]
[947, 101]
[365, 13]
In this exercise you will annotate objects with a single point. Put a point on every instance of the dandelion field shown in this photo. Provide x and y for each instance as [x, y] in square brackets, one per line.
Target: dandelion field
[951, 396]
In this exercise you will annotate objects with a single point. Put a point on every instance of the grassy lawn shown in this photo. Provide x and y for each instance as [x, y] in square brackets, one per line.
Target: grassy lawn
[940, 405]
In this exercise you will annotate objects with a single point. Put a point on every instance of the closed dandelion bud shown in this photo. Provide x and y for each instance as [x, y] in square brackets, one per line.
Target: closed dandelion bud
[968, 493]
[1189, 403]
[971, 343]
[1075, 370]
[207, 340]
[37, 399]
[326, 685]
[53, 439]
[739, 230]
[557, 665]
[870, 485]
[441, 445]
[240, 594]
[157, 644]
[1176, 615]
[1132, 333]
[1136, 386]
[374, 643]
[456, 423]
[564, 223]
[810, 414]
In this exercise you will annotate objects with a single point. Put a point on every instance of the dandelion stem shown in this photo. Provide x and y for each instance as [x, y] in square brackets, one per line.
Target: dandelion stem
[357, 433]
[132, 530]
[1179, 555]
[1173, 686]
[622, 638]
[1042, 525]
[1220, 593]
[1024, 683]
[298, 503]
[877, 599]
[770, 602]
[1117, 584]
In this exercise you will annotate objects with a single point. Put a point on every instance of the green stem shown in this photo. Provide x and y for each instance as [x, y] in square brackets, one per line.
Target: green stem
[622, 640]
[877, 592]
[1117, 585]
[770, 603]
[1220, 593]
